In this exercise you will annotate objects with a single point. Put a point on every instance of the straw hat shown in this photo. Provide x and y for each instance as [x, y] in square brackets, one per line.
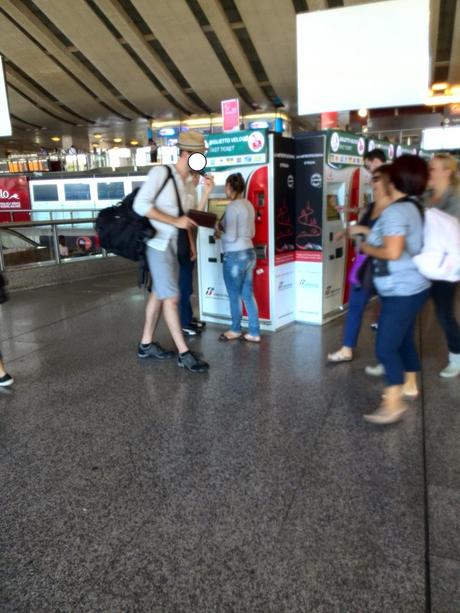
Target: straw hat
[191, 141]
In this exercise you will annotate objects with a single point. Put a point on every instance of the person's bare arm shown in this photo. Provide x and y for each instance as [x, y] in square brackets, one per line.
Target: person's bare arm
[392, 248]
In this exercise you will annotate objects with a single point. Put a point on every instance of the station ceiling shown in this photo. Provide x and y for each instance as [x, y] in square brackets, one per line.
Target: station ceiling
[78, 67]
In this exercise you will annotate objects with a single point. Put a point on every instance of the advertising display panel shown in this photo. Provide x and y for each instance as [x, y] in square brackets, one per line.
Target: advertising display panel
[14, 198]
[5, 121]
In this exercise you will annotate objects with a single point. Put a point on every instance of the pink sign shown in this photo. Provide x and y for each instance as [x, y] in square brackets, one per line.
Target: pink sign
[329, 120]
[231, 114]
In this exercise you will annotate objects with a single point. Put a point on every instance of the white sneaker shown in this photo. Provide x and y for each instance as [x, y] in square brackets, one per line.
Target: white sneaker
[453, 368]
[375, 371]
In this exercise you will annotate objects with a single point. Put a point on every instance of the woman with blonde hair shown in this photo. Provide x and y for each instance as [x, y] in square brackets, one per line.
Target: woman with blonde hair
[444, 193]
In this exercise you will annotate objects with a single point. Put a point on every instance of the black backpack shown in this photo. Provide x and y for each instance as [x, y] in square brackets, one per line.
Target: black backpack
[122, 231]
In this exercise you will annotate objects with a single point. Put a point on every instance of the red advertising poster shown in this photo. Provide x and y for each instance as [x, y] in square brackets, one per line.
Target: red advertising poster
[231, 114]
[14, 199]
[329, 120]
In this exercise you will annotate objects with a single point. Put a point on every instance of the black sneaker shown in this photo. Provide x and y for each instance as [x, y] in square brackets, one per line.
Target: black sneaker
[154, 350]
[197, 324]
[190, 331]
[6, 380]
[191, 362]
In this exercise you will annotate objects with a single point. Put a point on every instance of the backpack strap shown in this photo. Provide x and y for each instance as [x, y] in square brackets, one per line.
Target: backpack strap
[169, 176]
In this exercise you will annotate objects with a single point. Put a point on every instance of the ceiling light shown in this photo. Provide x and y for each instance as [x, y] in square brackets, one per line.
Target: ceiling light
[455, 90]
[97, 135]
[56, 139]
[362, 113]
[439, 87]
[133, 142]
[117, 140]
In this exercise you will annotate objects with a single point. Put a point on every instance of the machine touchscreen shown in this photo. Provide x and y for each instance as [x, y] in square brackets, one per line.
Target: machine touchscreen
[332, 210]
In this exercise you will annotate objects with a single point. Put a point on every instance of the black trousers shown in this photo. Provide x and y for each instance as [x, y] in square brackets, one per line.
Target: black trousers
[443, 294]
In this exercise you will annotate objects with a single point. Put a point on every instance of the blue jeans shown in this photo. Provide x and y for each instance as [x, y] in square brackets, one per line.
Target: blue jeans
[443, 294]
[395, 343]
[186, 290]
[359, 297]
[238, 270]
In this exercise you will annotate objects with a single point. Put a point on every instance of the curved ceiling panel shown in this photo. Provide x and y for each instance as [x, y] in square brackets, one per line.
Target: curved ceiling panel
[178, 32]
[40, 69]
[226, 36]
[267, 22]
[97, 45]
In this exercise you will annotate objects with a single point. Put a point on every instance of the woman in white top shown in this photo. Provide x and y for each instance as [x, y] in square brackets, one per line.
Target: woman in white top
[238, 229]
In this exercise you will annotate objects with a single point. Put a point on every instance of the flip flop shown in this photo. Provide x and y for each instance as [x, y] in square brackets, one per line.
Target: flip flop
[250, 339]
[226, 339]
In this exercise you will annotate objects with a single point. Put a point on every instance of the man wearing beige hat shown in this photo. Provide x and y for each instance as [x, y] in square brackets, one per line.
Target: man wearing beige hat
[167, 214]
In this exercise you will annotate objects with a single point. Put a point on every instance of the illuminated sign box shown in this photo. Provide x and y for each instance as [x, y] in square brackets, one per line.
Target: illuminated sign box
[437, 139]
[5, 122]
[366, 56]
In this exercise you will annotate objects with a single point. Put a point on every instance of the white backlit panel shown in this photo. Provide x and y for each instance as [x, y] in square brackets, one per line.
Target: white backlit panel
[365, 56]
[436, 139]
[5, 123]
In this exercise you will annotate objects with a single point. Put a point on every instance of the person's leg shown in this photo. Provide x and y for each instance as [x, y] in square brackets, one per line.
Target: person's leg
[152, 315]
[443, 294]
[408, 349]
[233, 278]
[171, 315]
[186, 290]
[387, 349]
[247, 293]
[359, 297]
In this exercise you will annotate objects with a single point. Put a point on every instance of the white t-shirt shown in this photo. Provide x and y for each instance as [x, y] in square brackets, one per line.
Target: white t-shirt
[166, 203]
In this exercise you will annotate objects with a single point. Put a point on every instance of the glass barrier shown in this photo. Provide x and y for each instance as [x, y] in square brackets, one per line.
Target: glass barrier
[48, 243]
[26, 246]
[78, 241]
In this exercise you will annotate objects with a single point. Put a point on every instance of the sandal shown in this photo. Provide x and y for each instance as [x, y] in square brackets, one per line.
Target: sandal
[251, 339]
[226, 339]
[339, 356]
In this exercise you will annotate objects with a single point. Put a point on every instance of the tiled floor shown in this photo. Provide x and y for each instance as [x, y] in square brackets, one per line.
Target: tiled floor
[132, 486]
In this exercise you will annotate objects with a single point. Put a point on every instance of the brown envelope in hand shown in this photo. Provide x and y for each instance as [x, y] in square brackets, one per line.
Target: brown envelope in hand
[206, 220]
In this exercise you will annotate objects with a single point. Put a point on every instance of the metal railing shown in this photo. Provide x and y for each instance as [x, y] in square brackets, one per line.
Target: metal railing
[41, 253]
[33, 212]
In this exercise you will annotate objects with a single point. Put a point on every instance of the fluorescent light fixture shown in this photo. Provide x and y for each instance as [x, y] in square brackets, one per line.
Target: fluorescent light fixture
[5, 121]
[437, 139]
[344, 64]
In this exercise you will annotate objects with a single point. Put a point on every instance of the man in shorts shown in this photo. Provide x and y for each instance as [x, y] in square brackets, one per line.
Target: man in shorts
[161, 252]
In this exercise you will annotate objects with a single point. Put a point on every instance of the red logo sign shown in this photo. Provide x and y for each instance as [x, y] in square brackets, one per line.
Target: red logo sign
[14, 199]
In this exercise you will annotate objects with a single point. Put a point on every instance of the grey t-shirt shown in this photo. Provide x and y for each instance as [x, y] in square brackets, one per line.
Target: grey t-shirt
[238, 224]
[399, 277]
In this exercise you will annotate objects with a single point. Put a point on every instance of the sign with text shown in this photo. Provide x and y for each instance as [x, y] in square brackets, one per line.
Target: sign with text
[237, 149]
[5, 121]
[14, 199]
[345, 149]
[387, 148]
[230, 114]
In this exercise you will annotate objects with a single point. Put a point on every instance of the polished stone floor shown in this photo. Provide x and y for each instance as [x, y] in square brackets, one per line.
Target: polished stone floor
[129, 486]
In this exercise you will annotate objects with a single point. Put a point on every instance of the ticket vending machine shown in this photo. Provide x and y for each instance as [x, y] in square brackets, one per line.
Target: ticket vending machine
[214, 305]
[252, 154]
[330, 182]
